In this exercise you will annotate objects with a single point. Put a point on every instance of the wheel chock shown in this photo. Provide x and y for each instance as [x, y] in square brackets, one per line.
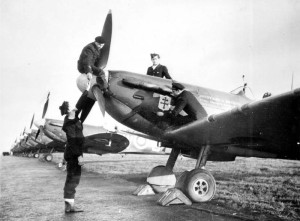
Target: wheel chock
[142, 190]
[174, 196]
[180, 182]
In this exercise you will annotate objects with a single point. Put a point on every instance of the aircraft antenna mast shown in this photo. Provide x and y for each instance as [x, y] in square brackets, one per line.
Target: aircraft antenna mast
[292, 84]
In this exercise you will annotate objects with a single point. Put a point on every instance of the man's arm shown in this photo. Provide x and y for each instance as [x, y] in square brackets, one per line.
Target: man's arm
[88, 61]
[148, 71]
[180, 105]
[166, 73]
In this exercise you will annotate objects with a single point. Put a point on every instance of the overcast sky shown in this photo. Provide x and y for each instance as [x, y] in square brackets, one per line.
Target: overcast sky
[207, 43]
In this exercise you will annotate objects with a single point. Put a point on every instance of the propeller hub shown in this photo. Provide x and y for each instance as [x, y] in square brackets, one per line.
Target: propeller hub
[83, 83]
[40, 123]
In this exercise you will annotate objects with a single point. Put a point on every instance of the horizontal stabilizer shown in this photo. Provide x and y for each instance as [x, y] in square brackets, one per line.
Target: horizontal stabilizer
[106, 143]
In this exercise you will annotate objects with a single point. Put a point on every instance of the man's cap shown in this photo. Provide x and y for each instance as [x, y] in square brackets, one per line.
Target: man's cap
[64, 107]
[177, 86]
[100, 40]
[153, 55]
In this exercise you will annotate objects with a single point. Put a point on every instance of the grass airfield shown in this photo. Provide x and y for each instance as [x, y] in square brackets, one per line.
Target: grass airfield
[264, 188]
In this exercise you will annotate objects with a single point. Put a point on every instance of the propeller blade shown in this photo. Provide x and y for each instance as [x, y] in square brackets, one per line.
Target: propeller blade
[37, 133]
[46, 106]
[106, 34]
[32, 121]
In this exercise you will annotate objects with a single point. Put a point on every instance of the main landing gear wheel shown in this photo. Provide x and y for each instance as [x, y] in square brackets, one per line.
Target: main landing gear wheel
[36, 155]
[48, 157]
[200, 185]
[161, 179]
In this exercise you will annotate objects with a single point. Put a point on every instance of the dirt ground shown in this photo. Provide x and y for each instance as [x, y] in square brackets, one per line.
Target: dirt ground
[33, 190]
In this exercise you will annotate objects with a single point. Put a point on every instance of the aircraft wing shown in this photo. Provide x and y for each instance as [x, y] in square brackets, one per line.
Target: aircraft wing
[266, 128]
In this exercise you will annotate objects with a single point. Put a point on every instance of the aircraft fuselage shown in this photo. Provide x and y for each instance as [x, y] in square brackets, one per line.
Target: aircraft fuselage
[139, 99]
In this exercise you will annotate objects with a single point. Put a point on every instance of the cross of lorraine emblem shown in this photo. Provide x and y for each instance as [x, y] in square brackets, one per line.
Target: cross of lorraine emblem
[164, 102]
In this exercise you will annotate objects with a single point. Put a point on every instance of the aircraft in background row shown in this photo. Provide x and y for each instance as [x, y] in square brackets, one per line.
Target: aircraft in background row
[51, 138]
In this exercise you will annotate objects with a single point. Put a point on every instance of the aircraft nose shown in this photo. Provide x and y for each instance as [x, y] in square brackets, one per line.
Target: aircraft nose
[28, 131]
[40, 123]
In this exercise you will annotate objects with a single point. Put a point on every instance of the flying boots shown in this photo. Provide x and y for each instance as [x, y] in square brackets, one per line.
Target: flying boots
[70, 208]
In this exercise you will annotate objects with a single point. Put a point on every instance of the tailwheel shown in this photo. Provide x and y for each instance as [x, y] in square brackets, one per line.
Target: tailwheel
[36, 155]
[200, 185]
[48, 157]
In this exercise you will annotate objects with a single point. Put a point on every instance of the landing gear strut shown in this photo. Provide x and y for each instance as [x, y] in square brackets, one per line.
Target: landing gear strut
[172, 159]
[161, 177]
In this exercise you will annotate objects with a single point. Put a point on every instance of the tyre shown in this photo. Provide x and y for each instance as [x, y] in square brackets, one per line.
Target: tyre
[49, 157]
[200, 185]
[161, 179]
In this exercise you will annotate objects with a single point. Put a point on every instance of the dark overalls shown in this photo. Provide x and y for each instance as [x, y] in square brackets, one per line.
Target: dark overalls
[187, 102]
[73, 150]
[88, 62]
[160, 71]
